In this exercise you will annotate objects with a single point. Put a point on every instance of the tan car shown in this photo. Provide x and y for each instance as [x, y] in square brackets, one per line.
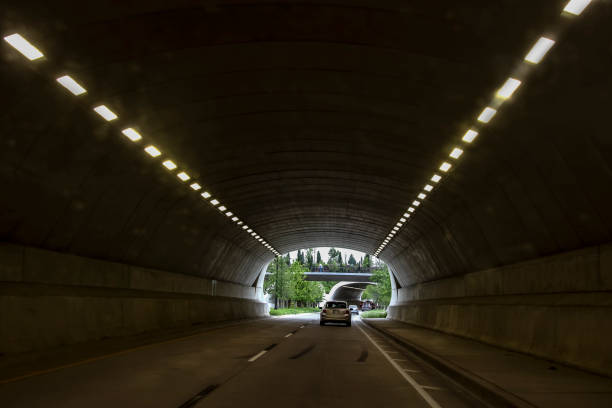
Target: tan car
[335, 312]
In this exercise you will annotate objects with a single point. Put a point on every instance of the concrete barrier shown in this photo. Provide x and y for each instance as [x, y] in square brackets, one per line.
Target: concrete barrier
[48, 299]
[558, 307]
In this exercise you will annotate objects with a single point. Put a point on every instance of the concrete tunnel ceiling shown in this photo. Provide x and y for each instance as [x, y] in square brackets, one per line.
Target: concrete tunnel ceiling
[316, 124]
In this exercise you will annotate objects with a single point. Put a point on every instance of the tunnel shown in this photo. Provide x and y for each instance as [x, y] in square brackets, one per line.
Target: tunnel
[155, 157]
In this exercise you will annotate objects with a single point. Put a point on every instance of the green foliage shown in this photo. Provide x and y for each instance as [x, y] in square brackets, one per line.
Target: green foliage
[319, 261]
[381, 292]
[327, 285]
[293, 310]
[287, 283]
[374, 314]
[352, 260]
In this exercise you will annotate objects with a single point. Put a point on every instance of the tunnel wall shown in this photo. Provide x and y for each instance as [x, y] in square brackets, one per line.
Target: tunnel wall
[557, 307]
[48, 299]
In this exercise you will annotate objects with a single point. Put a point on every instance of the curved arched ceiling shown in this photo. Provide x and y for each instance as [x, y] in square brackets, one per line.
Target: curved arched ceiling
[316, 123]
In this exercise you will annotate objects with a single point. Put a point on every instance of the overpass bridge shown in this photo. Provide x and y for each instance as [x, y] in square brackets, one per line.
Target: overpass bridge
[156, 156]
[337, 276]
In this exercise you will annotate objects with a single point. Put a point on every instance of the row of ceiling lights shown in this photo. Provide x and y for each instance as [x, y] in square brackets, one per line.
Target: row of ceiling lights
[534, 56]
[32, 53]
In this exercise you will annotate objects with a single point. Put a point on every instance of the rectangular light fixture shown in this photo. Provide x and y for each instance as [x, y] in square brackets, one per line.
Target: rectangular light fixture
[152, 151]
[169, 164]
[435, 178]
[234, 219]
[23, 46]
[486, 115]
[205, 194]
[131, 134]
[106, 113]
[240, 223]
[214, 201]
[539, 50]
[469, 136]
[253, 233]
[183, 176]
[508, 88]
[406, 215]
[456, 153]
[260, 239]
[222, 208]
[428, 187]
[402, 219]
[229, 213]
[195, 186]
[257, 236]
[249, 230]
[395, 228]
[70, 84]
[416, 203]
[422, 196]
[445, 166]
[576, 7]
[245, 226]
[411, 209]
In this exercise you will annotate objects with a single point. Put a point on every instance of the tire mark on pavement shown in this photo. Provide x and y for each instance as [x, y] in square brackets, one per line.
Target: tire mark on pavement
[303, 352]
[363, 357]
[200, 395]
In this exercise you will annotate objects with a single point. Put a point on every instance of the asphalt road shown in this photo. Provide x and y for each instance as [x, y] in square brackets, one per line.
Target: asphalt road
[286, 361]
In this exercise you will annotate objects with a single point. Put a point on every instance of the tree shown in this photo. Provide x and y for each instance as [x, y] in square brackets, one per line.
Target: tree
[310, 259]
[381, 292]
[278, 282]
[366, 261]
[352, 260]
[300, 257]
[319, 261]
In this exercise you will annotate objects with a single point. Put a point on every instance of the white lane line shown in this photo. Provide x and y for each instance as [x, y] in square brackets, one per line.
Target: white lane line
[411, 371]
[302, 326]
[432, 403]
[289, 335]
[256, 356]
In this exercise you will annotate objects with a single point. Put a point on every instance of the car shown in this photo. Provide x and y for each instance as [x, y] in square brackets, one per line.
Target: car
[354, 309]
[335, 312]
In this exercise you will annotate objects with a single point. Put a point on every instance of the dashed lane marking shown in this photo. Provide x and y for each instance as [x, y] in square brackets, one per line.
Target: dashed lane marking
[256, 356]
[431, 387]
[289, 335]
[424, 394]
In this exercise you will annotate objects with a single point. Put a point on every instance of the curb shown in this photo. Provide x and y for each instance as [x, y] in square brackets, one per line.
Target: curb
[488, 392]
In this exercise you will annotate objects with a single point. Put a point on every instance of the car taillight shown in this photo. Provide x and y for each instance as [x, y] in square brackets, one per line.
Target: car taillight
[324, 310]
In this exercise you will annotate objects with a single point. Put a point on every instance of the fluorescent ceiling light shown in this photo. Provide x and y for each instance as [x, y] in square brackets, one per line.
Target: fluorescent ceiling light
[395, 228]
[183, 176]
[70, 84]
[469, 136]
[256, 236]
[416, 203]
[399, 224]
[402, 220]
[249, 230]
[486, 115]
[222, 208]
[131, 134]
[540, 49]
[214, 201]
[169, 164]
[435, 178]
[253, 233]
[456, 153]
[422, 196]
[234, 219]
[205, 194]
[508, 88]
[576, 7]
[411, 209]
[260, 239]
[106, 113]
[245, 227]
[406, 215]
[428, 187]
[23, 46]
[195, 186]
[229, 213]
[445, 166]
[240, 223]
[152, 151]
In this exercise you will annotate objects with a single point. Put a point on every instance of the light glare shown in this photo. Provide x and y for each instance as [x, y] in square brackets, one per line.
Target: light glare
[152, 151]
[131, 134]
[169, 164]
[539, 50]
[469, 136]
[70, 84]
[23, 46]
[508, 88]
[576, 7]
[456, 153]
[106, 113]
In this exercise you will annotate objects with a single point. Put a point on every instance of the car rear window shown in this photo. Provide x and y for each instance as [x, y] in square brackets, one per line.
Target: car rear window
[336, 305]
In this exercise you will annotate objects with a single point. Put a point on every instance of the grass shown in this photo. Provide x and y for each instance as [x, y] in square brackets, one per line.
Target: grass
[374, 313]
[293, 310]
